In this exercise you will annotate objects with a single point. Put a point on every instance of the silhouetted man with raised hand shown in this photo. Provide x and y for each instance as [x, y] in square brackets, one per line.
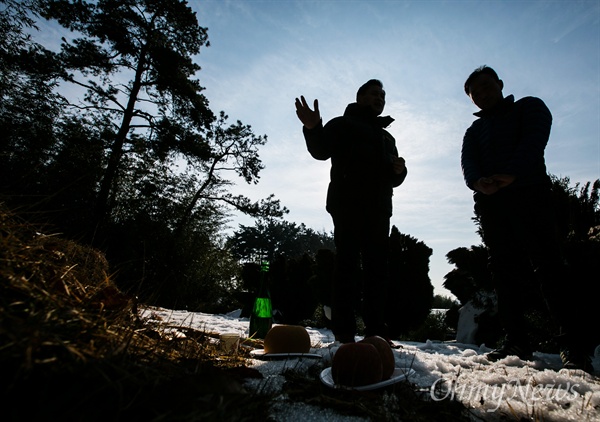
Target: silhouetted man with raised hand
[365, 168]
[503, 163]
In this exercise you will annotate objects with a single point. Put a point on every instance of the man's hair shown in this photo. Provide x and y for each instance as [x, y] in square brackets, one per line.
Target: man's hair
[479, 71]
[366, 86]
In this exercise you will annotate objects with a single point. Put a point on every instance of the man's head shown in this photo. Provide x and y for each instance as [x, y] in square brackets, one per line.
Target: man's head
[484, 87]
[372, 95]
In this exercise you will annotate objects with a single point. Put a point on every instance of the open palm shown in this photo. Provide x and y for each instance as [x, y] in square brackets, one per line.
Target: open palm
[309, 118]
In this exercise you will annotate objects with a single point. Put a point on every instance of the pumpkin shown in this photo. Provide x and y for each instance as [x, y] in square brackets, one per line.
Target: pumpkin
[388, 362]
[287, 339]
[356, 364]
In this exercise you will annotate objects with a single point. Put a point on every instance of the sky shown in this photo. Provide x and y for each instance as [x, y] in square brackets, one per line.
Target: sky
[504, 390]
[264, 54]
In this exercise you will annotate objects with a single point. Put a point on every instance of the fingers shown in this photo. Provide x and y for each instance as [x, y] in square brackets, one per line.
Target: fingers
[301, 103]
[307, 116]
[486, 185]
[503, 178]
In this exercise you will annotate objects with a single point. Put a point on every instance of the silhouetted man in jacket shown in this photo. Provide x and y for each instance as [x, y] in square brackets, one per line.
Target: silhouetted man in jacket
[503, 163]
[365, 168]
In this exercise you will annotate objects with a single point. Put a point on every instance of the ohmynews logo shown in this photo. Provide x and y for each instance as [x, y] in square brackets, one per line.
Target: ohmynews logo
[529, 393]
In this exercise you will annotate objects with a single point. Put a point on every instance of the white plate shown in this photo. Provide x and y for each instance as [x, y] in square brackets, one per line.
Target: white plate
[260, 353]
[397, 376]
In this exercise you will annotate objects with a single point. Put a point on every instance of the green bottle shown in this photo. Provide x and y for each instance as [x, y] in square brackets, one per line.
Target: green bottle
[261, 318]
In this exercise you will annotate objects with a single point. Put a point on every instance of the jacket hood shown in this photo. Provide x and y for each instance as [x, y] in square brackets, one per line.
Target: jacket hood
[356, 110]
[504, 104]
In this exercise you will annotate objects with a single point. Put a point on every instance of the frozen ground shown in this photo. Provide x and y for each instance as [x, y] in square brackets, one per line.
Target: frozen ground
[537, 389]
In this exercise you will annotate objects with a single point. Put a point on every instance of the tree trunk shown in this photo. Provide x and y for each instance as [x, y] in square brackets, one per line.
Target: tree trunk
[116, 152]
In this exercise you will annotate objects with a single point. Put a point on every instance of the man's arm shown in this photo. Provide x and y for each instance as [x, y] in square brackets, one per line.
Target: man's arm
[533, 138]
[534, 134]
[317, 139]
[468, 159]
[398, 178]
[399, 169]
[318, 142]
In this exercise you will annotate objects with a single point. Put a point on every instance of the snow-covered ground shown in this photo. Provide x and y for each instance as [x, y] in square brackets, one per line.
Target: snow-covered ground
[536, 390]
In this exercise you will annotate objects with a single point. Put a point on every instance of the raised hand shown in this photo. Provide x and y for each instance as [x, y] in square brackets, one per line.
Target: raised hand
[309, 118]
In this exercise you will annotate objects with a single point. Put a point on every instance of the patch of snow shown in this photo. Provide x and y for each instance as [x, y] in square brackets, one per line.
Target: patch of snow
[537, 389]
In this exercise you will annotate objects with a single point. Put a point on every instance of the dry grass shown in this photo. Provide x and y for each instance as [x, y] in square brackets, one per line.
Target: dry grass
[72, 348]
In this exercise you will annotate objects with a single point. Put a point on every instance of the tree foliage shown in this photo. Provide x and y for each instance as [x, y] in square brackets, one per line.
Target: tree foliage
[410, 292]
[442, 302]
[298, 277]
[270, 238]
[134, 61]
[471, 274]
[132, 160]
[29, 107]
[578, 215]
[578, 208]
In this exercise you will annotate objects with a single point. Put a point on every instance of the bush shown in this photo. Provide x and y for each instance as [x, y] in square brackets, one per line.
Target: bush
[433, 328]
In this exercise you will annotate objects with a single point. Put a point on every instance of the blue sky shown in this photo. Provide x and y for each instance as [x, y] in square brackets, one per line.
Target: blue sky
[263, 54]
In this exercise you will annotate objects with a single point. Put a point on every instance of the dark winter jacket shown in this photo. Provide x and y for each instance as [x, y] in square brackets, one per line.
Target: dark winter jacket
[362, 176]
[508, 139]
